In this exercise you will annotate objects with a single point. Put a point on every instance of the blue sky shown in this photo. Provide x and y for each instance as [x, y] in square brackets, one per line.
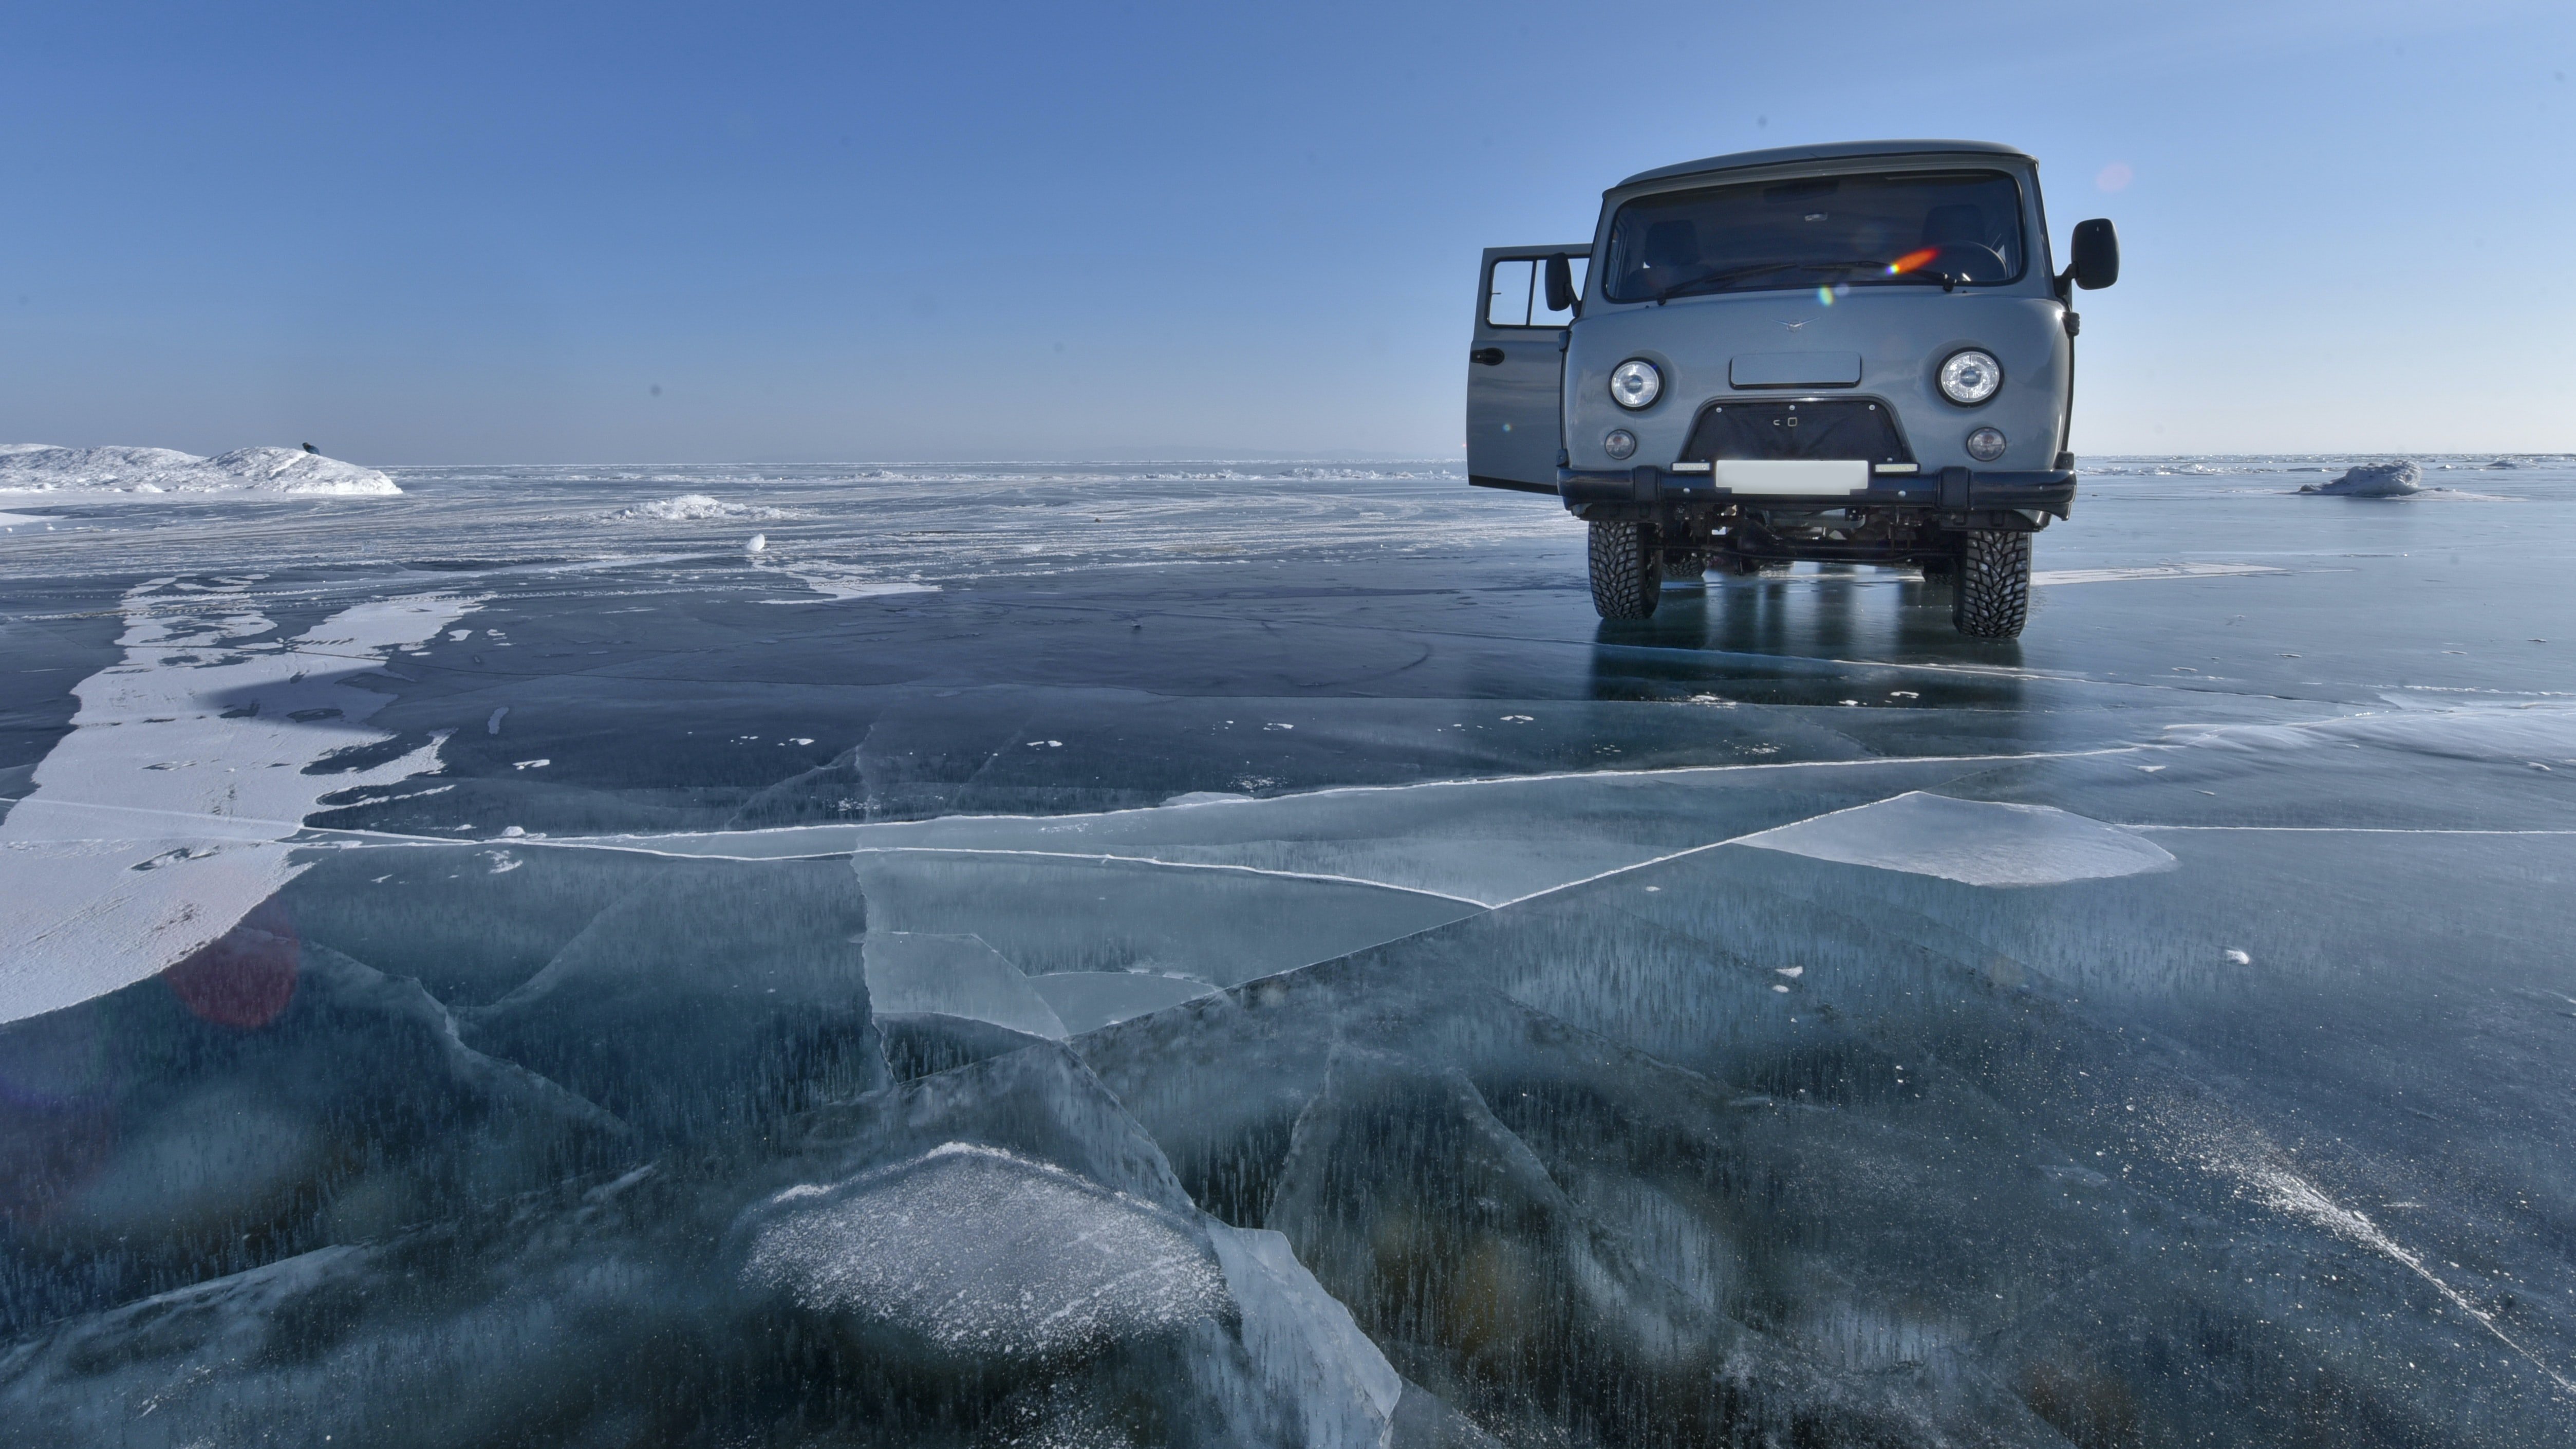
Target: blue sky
[482, 233]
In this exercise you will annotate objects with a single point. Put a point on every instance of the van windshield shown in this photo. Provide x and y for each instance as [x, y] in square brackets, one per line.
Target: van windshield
[1949, 227]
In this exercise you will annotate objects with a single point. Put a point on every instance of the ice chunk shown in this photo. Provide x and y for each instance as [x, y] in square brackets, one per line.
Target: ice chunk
[2374, 480]
[1308, 1350]
[1979, 842]
[986, 1254]
[38, 468]
[954, 976]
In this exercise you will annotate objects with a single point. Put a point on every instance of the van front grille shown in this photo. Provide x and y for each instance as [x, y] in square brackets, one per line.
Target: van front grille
[1837, 428]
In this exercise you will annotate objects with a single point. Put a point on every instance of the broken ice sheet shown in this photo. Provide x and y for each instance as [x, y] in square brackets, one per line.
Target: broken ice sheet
[1974, 841]
[1997, 1166]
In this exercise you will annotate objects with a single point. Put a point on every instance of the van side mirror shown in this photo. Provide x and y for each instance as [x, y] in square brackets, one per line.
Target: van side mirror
[1560, 280]
[2097, 256]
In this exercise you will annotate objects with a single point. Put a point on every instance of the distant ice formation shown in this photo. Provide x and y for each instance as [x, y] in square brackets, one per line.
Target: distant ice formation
[43, 468]
[2374, 480]
[695, 507]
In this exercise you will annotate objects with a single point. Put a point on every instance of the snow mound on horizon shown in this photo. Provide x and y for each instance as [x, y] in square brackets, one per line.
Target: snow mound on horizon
[141, 472]
[2374, 480]
[692, 507]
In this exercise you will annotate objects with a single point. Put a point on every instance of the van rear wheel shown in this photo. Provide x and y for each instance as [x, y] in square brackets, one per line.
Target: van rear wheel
[1990, 598]
[1627, 573]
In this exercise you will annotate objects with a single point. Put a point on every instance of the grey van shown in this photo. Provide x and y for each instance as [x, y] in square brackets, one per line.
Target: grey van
[1858, 352]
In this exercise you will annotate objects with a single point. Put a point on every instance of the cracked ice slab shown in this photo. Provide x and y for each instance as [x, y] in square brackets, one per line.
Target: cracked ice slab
[1973, 841]
[1479, 842]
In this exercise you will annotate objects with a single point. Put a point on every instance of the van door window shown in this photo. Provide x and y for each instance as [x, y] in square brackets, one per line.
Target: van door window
[1516, 292]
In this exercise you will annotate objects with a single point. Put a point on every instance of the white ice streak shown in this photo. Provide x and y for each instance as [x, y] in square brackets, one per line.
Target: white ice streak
[832, 584]
[2155, 571]
[142, 472]
[159, 821]
[983, 1252]
[1977, 842]
[2481, 729]
[2286, 1192]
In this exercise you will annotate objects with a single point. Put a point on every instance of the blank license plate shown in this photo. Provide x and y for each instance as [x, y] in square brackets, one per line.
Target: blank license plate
[1792, 477]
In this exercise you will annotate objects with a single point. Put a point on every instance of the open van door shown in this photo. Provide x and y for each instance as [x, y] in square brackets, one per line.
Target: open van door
[1516, 367]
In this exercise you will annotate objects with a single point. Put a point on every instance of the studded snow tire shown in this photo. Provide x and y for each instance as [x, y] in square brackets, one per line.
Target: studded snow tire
[1627, 577]
[1990, 593]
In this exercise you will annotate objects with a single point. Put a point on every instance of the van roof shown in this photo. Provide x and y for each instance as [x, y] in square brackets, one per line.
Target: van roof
[1836, 151]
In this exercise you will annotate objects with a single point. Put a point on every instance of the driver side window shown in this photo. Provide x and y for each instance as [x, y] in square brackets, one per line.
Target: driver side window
[1516, 293]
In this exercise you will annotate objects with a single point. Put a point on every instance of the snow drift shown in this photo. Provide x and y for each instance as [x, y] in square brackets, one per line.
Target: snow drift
[43, 468]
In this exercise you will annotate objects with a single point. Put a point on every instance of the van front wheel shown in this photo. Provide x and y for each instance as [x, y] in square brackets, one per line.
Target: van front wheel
[1627, 573]
[1990, 598]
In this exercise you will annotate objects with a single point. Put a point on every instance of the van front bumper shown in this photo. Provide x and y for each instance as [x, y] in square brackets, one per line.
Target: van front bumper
[1949, 490]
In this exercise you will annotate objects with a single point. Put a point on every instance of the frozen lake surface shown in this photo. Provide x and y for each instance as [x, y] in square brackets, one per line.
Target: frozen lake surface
[1238, 954]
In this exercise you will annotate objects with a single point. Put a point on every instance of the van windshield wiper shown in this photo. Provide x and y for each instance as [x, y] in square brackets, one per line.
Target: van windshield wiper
[1718, 279]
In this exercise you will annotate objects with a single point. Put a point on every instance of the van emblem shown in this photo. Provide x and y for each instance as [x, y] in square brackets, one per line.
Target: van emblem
[1793, 326]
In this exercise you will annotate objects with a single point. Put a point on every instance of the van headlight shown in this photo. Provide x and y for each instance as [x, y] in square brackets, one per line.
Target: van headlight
[1970, 377]
[1635, 383]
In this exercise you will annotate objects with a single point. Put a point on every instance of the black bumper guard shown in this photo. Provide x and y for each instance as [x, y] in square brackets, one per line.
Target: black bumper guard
[1951, 490]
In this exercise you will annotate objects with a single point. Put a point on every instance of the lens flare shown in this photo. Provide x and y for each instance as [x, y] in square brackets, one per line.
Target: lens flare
[1912, 259]
[1825, 295]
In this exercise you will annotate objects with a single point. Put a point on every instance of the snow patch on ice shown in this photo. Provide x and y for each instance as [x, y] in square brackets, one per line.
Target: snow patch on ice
[161, 819]
[1977, 842]
[141, 472]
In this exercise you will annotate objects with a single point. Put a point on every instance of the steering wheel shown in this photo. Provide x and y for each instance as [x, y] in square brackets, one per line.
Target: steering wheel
[1970, 262]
